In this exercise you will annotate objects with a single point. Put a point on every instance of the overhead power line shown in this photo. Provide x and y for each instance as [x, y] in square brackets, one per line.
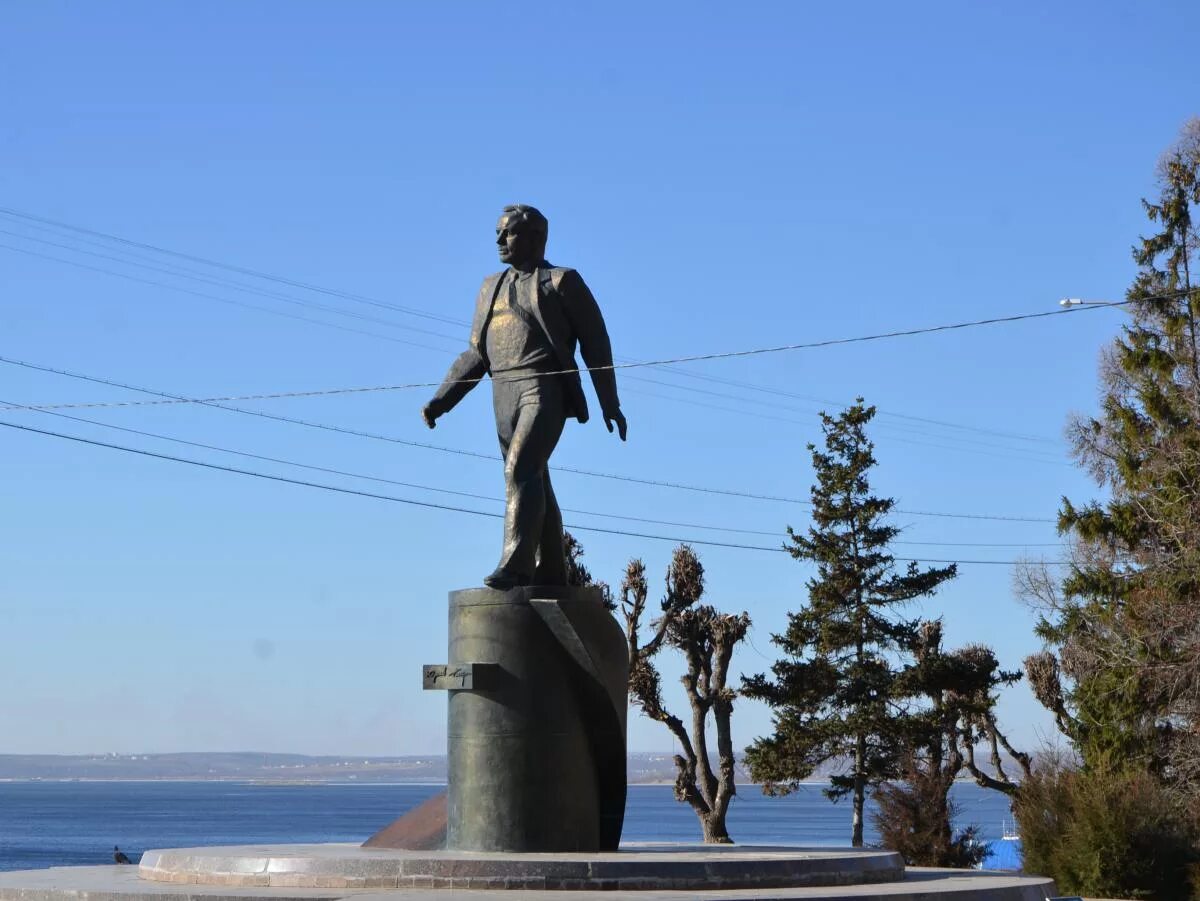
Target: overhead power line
[380, 479]
[352, 491]
[477, 455]
[962, 444]
[891, 414]
[242, 270]
[957, 443]
[89, 236]
[632, 364]
[457, 493]
[224, 283]
[416, 503]
[224, 300]
[995, 451]
[971, 445]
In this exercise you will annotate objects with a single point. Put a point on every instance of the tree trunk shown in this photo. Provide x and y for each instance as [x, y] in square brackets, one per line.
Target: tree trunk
[945, 830]
[860, 761]
[714, 829]
[860, 740]
[726, 785]
[1191, 311]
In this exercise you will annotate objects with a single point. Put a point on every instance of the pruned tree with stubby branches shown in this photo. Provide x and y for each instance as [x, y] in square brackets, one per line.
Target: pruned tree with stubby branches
[956, 691]
[706, 638]
[960, 687]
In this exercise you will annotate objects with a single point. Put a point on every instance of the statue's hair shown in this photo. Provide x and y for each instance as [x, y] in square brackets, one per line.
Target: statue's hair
[531, 216]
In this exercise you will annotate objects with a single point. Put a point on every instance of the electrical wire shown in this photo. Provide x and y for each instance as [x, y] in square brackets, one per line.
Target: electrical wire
[1030, 455]
[918, 426]
[292, 283]
[224, 300]
[79, 233]
[199, 276]
[87, 235]
[353, 491]
[644, 363]
[429, 505]
[226, 283]
[382, 480]
[825, 402]
[477, 455]
[990, 450]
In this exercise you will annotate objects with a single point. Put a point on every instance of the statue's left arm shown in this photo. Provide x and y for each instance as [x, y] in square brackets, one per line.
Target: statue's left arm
[584, 314]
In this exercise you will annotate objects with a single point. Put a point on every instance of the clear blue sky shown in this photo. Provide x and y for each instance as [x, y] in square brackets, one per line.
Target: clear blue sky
[724, 176]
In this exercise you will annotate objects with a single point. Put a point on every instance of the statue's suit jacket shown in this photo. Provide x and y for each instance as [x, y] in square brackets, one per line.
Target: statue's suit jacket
[568, 314]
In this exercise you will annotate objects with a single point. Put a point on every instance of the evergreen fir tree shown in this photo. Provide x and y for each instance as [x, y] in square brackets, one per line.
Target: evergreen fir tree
[1123, 672]
[835, 694]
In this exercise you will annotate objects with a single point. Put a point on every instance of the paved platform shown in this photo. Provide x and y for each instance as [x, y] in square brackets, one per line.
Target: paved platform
[121, 883]
[635, 868]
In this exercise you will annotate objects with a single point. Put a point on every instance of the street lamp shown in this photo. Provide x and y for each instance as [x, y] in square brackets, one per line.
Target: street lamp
[1068, 302]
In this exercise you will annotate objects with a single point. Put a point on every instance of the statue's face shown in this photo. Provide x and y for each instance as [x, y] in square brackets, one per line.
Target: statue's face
[516, 241]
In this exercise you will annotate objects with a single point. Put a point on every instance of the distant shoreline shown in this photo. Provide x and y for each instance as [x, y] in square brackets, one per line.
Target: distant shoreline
[269, 768]
[236, 780]
[314, 783]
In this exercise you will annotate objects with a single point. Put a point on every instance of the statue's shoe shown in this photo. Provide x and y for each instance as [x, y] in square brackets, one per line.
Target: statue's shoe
[502, 580]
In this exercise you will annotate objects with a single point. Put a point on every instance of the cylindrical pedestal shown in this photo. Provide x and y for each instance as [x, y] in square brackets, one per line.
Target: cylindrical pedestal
[532, 742]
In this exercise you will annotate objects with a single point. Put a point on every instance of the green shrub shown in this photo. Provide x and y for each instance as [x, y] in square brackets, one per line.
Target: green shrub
[1106, 834]
[914, 818]
[1041, 808]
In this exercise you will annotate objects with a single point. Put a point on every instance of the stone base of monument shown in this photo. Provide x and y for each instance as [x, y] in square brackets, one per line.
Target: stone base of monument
[645, 872]
[536, 679]
[126, 883]
[637, 868]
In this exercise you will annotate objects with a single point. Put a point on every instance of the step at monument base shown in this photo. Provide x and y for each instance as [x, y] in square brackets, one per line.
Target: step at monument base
[121, 883]
[634, 868]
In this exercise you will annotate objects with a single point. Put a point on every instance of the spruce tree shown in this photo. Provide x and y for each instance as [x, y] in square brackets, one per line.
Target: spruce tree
[1122, 669]
[835, 693]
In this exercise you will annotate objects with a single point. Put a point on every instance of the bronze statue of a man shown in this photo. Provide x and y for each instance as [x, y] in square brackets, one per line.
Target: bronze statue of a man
[528, 320]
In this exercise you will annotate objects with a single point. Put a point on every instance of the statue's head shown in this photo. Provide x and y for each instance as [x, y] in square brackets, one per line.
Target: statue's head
[521, 235]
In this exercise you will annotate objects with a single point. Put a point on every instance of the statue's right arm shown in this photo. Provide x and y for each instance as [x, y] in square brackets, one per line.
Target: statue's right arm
[465, 373]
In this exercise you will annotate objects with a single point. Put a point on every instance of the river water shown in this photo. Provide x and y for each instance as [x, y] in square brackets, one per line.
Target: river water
[48, 824]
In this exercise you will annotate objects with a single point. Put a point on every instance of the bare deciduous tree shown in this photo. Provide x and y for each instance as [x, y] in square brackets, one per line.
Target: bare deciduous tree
[706, 638]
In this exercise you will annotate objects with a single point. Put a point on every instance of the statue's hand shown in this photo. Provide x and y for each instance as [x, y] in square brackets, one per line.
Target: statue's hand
[430, 414]
[619, 418]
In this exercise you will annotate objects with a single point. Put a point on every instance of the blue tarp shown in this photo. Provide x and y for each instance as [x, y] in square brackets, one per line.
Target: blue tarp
[1004, 854]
